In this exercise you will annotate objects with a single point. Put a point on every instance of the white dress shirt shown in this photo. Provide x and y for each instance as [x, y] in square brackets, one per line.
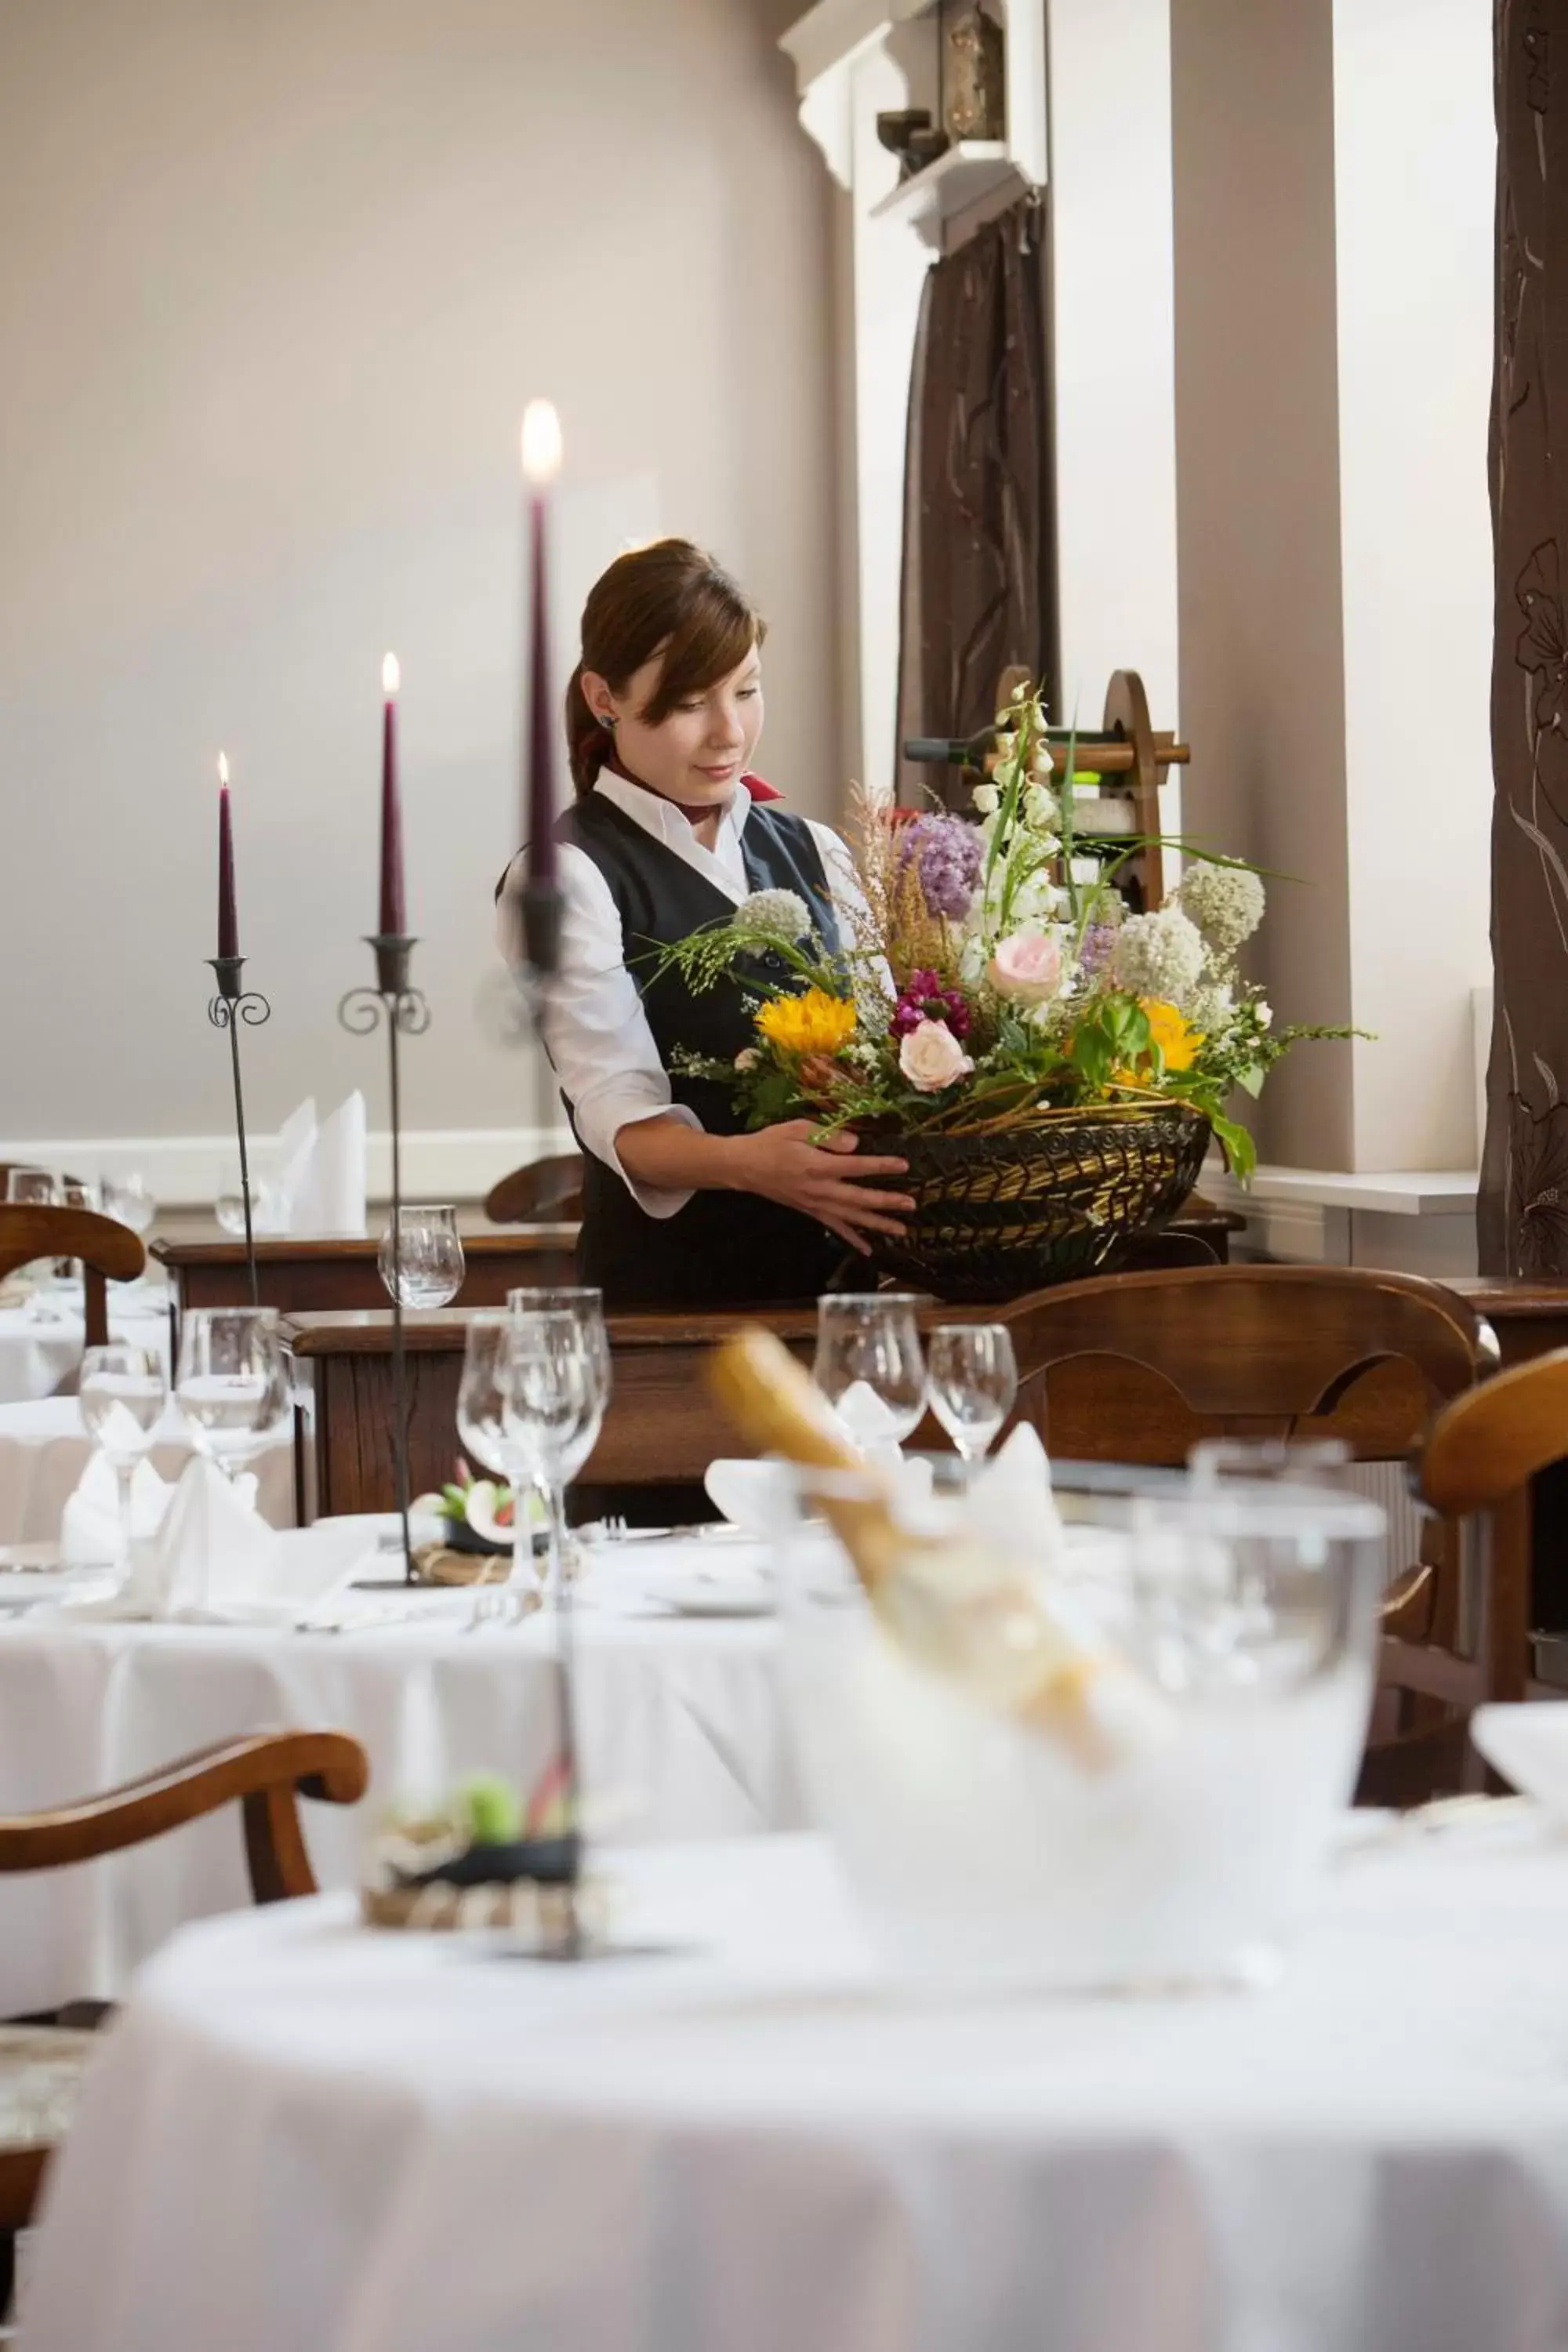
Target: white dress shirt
[595, 1031]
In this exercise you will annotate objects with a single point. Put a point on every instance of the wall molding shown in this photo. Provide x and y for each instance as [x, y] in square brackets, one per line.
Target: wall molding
[457, 1163]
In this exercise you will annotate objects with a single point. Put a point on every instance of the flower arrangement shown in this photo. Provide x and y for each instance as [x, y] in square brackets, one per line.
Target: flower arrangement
[989, 988]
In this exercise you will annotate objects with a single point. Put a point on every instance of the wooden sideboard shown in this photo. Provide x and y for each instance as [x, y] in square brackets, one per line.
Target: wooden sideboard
[343, 1272]
[661, 1427]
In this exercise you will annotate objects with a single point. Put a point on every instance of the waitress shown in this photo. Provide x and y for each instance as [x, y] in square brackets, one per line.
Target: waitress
[670, 832]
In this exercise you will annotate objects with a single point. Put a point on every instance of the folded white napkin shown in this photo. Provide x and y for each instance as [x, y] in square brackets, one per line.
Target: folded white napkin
[322, 1173]
[89, 1524]
[330, 1198]
[1011, 1497]
[1527, 1744]
[214, 1562]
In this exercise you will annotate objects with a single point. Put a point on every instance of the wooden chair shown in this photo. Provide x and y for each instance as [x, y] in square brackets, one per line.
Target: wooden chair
[108, 1250]
[1140, 1367]
[546, 1191]
[1481, 1453]
[263, 1773]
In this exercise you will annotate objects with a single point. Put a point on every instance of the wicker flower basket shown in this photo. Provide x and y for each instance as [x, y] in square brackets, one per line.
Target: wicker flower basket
[1003, 1213]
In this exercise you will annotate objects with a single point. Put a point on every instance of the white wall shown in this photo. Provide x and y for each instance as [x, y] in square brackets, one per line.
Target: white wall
[274, 286]
[1415, 158]
[1109, 78]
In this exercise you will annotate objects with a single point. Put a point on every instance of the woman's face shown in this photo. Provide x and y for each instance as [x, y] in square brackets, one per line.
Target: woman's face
[697, 754]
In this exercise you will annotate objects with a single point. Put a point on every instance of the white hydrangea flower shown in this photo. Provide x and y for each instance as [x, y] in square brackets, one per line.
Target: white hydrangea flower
[986, 798]
[1226, 902]
[1159, 955]
[772, 915]
[1210, 1007]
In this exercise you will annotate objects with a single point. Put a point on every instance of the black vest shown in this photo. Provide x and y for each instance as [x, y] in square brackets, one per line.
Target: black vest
[722, 1249]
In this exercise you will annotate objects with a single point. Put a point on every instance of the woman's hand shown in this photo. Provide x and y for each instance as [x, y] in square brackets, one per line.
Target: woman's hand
[784, 1164]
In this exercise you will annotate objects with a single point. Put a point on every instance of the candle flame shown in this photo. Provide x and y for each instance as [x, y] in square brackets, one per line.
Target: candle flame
[222, 770]
[541, 442]
[390, 677]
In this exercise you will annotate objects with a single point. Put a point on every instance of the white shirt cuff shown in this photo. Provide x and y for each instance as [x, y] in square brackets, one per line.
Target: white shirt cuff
[651, 1198]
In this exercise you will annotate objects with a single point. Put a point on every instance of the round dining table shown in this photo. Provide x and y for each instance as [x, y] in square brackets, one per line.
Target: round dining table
[679, 1727]
[44, 1449]
[737, 2135]
[41, 1340]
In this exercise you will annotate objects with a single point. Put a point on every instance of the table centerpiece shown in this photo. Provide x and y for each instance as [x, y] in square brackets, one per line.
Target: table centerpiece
[1051, 1061]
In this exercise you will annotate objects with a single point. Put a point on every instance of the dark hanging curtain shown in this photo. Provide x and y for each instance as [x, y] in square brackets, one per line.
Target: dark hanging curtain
[978, 568]
[1523, 1214]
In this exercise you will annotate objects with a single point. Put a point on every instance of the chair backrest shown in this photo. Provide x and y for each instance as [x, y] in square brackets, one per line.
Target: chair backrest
[1481, 1453]
[106, 1248]
[1139, 1367]
[542, 1192]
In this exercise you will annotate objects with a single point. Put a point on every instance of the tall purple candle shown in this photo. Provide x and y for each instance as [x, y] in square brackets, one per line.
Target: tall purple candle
[540, 464]
[227, 912]
[393, 918]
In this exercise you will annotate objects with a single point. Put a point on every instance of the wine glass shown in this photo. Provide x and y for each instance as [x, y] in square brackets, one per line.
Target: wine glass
[121, 1395]
[973, 1381]
[127, 1199]
[427, 1268]
[482, 1427]
[233, 1382]
[588, 1305]
[869, 1364]
[554, 1405]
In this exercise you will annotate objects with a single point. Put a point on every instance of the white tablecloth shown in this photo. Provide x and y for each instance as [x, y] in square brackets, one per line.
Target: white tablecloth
[44, 1450]
[680, 1735]
[41, 1359]
[305, 2134]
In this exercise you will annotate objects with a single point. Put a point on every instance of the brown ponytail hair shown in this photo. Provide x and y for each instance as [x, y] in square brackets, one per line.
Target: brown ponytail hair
[670, 598]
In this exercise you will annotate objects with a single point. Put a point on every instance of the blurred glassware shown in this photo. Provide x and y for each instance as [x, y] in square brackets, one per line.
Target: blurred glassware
[233, 1382]
[1148, 1798]
[1298, 1461]
[121, 1395]
[483, 1428]
[569, 1298]
[974, 1382]
[429, 1262]
[127, 1199]
[554, 1407]
[32, 1187]
[868, 1363]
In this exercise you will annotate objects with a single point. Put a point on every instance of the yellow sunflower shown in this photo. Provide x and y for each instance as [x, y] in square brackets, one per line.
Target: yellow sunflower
[1177, 1041]
[815, 1022]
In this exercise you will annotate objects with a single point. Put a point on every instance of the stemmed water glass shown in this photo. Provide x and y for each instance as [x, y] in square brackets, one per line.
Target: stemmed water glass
[121, 1395]
[555, 1399]
[233, 1382]
[482, 1427]
[974, 1382]
[429, 1257]
[571, 1298]
[869, 1364]
[127, 1199]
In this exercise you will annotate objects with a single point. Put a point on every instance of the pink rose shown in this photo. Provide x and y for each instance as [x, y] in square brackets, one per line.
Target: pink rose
[931, 1057]
[1027, 967]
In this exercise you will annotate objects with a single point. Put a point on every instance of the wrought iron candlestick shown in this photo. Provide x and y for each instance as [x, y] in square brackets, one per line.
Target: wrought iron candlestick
[233, 1005]
[394, 1000]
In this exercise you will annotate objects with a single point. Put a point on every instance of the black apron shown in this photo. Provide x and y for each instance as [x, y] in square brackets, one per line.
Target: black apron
[722, 1249]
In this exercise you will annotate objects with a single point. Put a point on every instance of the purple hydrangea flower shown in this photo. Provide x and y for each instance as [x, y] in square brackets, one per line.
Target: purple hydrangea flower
[947, 851]
[1099, 940]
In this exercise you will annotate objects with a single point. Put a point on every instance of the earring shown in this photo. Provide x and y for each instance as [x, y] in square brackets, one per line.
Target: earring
[607, 723]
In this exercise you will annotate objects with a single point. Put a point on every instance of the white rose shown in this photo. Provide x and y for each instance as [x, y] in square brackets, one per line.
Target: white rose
[931, 1057]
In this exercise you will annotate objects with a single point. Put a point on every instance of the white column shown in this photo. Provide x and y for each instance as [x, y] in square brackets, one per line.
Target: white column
[1113, 351]
[1414, 153]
